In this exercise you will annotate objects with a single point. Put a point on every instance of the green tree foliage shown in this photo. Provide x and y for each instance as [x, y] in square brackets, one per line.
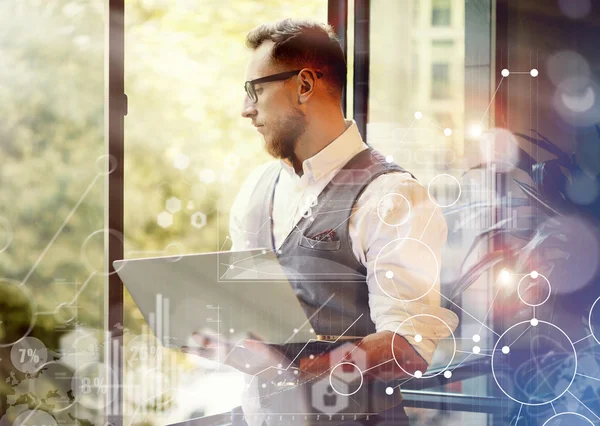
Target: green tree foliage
[184, 72]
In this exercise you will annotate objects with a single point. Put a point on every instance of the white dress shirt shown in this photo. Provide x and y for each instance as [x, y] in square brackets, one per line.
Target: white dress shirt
[399, 246]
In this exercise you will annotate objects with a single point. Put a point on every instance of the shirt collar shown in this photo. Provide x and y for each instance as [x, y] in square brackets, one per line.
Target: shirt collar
[333, 156]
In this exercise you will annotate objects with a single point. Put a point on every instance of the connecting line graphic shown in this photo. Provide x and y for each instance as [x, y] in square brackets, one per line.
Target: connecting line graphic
[294, 276]
[408, 130]
[491, 101]
[408, 316]
[224, 242]
[473, 353]
[299, 328]
[369, 205]
[434, 289]
[314, 377]
[519, 414]
[399, 385]
[24, 421]
[333, 211]
[378, 365]
[588, 408]
[311, 317]
[583, 338]
[366, 205]
[83, 286]
[514, 341]
[246, 258]
[60, 229]
[554, 409]
[587, 377]
[300, 352]
[490, 309]
[425, 229]
[465, 358]
[250, 232]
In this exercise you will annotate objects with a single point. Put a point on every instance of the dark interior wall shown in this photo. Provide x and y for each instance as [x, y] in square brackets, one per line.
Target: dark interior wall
[562, 40]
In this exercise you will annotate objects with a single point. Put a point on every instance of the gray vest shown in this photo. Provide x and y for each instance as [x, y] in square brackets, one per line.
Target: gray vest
[325, 275]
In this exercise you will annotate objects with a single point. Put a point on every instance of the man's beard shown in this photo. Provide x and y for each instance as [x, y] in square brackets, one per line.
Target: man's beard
[285, 134]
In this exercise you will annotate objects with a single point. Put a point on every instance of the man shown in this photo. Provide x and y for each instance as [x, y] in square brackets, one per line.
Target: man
[331, 206]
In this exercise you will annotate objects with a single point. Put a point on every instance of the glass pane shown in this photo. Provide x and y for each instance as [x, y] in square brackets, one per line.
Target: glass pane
[441, 13]
[53, 206]
[187, 153]
[440, 80]
[424, 88]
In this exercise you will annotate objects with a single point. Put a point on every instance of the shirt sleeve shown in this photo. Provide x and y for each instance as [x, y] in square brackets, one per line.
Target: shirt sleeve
[239, 208]
[398, 233]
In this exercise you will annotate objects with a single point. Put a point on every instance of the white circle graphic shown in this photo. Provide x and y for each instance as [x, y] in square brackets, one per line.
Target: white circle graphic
[497, 358]
[419, 374]
[358, 387]
[106, 164]
[386, 203]
[34, 418]
[435, 275]
[534, 275]
[89, 246]
[433, 199]
[550, 422]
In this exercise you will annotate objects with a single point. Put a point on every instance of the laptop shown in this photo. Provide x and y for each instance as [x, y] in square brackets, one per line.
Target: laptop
[228, 296]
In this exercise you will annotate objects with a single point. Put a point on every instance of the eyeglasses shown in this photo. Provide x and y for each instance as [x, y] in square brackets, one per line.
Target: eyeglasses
[249, 85]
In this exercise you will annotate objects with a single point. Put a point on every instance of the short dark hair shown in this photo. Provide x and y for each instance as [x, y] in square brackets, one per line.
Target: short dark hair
[304, 43]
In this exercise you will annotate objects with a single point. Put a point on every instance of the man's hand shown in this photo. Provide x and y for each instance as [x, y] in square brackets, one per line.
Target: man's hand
[380, 361]
[250, 356]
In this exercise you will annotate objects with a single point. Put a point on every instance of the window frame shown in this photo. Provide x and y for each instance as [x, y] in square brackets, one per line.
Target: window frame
[116, 110]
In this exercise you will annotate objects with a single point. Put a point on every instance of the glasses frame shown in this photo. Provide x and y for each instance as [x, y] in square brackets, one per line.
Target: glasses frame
[249, 85]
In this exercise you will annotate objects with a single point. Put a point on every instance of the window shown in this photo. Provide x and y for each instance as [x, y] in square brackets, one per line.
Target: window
[187, 152]
[441, 13]
[52, 217]
[440, 81]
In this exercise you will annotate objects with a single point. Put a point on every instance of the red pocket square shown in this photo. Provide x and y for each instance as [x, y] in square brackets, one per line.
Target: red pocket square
[326, 235]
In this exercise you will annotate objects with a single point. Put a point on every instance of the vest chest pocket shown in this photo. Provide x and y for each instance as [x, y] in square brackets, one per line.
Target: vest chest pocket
[320, 245]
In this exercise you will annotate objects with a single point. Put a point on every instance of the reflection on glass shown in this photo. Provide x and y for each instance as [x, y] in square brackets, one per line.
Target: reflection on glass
[52, 197]
[187, 151]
